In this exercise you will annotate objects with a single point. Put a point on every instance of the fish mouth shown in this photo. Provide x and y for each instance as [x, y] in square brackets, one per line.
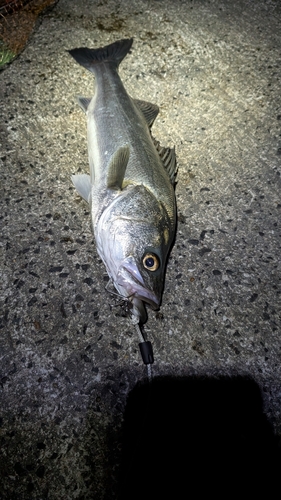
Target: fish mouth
[130, 280]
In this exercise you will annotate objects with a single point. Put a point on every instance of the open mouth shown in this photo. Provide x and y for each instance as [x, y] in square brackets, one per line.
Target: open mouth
[154, 304]
[132, 282]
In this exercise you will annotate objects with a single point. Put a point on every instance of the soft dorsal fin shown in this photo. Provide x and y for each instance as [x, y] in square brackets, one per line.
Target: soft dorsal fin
[83, 102]
[117, 167]
[82, 183]
[168, 158]
[149, 110]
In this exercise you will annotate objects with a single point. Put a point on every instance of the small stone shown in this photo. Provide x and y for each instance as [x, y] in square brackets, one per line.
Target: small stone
[55, 269]
[40, 471]
[89, 281]
[204, 250]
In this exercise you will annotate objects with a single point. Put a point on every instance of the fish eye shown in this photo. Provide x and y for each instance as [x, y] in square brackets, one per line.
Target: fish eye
[150, 261]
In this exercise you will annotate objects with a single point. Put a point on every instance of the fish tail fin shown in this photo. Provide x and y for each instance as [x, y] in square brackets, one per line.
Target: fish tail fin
[113, 53]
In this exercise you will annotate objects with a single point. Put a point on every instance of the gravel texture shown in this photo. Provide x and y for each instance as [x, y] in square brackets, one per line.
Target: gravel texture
[69, 356]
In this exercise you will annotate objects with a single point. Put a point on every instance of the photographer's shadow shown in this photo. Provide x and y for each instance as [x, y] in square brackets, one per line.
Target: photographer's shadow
[197, 438]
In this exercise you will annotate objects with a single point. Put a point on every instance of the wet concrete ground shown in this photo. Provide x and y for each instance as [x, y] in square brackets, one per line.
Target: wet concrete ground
[69, 357]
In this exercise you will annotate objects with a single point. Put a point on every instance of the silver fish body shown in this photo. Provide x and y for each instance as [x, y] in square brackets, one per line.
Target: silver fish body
[131, 183]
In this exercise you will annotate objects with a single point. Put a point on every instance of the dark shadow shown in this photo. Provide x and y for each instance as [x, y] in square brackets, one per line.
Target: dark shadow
[197, 438]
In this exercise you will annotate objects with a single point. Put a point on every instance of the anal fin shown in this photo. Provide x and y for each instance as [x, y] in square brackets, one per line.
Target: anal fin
[83, 102]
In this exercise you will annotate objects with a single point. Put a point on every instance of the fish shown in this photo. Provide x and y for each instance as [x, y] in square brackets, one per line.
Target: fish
[131, 184]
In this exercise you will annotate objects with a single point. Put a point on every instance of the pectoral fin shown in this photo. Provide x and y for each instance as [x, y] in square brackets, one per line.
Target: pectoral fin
[83, 185]
[117, 168]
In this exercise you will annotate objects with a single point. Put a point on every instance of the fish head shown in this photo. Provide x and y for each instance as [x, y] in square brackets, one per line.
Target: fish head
[133, 240]
[141, 271]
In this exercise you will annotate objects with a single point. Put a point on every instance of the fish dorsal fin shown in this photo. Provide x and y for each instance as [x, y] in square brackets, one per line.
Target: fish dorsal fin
[168, 158]
[83, 102]
[149, 110]
[117, 168]
[83, 185]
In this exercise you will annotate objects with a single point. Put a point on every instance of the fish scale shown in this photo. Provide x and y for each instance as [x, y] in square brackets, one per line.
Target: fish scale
[113, 101]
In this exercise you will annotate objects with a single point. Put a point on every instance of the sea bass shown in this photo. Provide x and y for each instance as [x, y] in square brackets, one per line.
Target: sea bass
[131, 183]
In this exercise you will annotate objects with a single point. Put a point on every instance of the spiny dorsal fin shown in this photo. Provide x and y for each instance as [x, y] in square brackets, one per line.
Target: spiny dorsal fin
[83, 185]
[168, 158]
[83, 102]
[149, 110]
[117, 168]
